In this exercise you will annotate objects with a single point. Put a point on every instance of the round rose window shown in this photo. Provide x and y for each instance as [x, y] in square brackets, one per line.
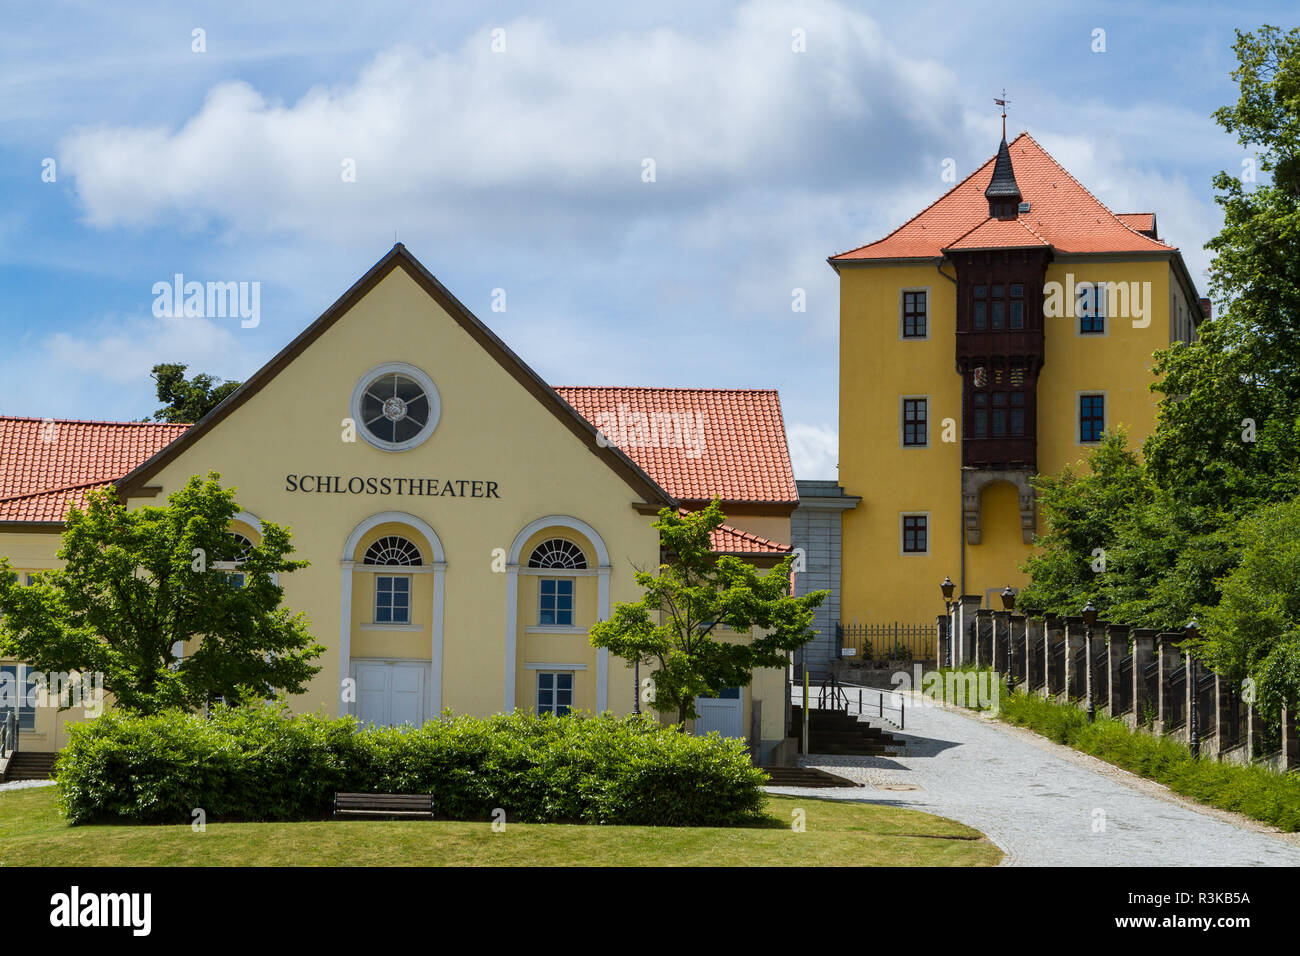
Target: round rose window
[395, 407]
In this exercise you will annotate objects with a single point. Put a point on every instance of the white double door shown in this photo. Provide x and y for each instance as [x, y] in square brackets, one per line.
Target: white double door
[391, 693]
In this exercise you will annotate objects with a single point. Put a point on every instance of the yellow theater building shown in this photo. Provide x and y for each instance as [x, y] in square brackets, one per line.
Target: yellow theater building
[992, 337]
[465, 522]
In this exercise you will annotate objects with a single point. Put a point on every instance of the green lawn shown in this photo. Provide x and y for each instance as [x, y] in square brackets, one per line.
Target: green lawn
[32, 833]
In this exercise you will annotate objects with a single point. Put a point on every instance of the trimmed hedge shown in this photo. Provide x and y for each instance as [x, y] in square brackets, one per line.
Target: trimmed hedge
[264, 764]
[1254, 791]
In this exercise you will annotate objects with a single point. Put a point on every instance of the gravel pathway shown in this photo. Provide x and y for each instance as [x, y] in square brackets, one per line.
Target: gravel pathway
[25, 784]
[1047, 805]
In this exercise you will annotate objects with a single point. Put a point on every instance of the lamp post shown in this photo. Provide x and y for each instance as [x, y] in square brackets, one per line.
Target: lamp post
[947, 588]
[1009, 605]
[1089, 619]
[1193, 717]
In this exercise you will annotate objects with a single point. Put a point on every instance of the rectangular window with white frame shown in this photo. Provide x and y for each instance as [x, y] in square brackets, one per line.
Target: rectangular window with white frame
[1092, 417]
[915, 421]
[914, 530]
[556, 602]
[392, 599]
[554, 692]
[914, 313]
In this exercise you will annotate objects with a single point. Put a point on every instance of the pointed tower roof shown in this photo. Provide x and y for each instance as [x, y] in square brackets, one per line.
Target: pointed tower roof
[1064, 214]
[1003, 185]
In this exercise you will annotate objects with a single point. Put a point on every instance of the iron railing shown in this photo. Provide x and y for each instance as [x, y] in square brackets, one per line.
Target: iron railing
[1175, 711]
[1125, 688]
[886, 642]
[855, 700]
[9, 735]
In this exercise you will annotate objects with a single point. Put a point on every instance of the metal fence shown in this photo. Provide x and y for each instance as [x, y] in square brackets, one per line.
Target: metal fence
[885, 642]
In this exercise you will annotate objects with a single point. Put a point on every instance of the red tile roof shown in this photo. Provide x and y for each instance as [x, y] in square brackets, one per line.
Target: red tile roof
[1062, 214]
[697, 443]
[47, 463]
[1141, 221]
[729, 540]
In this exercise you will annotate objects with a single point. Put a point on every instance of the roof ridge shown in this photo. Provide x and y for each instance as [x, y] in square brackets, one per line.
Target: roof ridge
[89, 421]
[1088, 192]
[664, 388]
[956, 186]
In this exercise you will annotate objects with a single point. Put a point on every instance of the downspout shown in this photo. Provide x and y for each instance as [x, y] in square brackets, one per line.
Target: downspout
[961, 517]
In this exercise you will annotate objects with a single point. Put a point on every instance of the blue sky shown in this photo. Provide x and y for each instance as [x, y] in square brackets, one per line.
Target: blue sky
[522, 170]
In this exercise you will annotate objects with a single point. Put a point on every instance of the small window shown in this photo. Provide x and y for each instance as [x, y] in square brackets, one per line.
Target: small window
[1017, 420]
[915, 534]
[980, 417]
[979, 309]
[1092, 418]
[997, 319]
[558, 553]
[556, 608]
[18, 695]
[554, 693]
[916, 422]
[392, 599]
[999, 418]
[914, 315]
[1017, 306]
[1091, 308]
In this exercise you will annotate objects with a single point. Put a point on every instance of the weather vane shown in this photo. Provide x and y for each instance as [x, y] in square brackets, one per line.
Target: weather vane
[1003, 103]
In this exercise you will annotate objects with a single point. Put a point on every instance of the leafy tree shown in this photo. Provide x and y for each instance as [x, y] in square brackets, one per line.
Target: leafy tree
[674, 626]
[1246, 362]
[1083, 512]
[187, 400]
[1254, 631]
[135, 583]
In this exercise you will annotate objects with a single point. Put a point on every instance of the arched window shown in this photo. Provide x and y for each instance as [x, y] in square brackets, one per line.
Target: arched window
[559, 554]
[393, 550]
[240, 548]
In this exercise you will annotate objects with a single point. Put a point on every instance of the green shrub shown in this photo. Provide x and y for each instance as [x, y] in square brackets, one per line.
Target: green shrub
[260, 763]
[1254, 791]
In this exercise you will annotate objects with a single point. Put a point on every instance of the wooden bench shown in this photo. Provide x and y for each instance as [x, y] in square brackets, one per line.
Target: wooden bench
[402, 806]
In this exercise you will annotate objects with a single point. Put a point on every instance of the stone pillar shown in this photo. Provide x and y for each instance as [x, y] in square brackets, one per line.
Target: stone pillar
[1144, 650]
[1001, 642]
[1167, 657]
[1054, 637]
[1017, 645]
[1033, 649]
[1254, 731]
[1116, 652]
[1074, 685]
[983, 636]
[967, 605]
[1221, 717]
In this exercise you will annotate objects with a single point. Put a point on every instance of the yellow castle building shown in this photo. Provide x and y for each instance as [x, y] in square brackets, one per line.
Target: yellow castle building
[992, 337]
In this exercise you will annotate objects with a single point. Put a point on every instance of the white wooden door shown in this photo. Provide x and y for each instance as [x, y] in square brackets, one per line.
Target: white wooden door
[390, 693]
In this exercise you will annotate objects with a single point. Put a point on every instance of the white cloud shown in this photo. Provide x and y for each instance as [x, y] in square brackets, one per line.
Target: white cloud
[103, 372]
[552, 123]
[814, 450]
